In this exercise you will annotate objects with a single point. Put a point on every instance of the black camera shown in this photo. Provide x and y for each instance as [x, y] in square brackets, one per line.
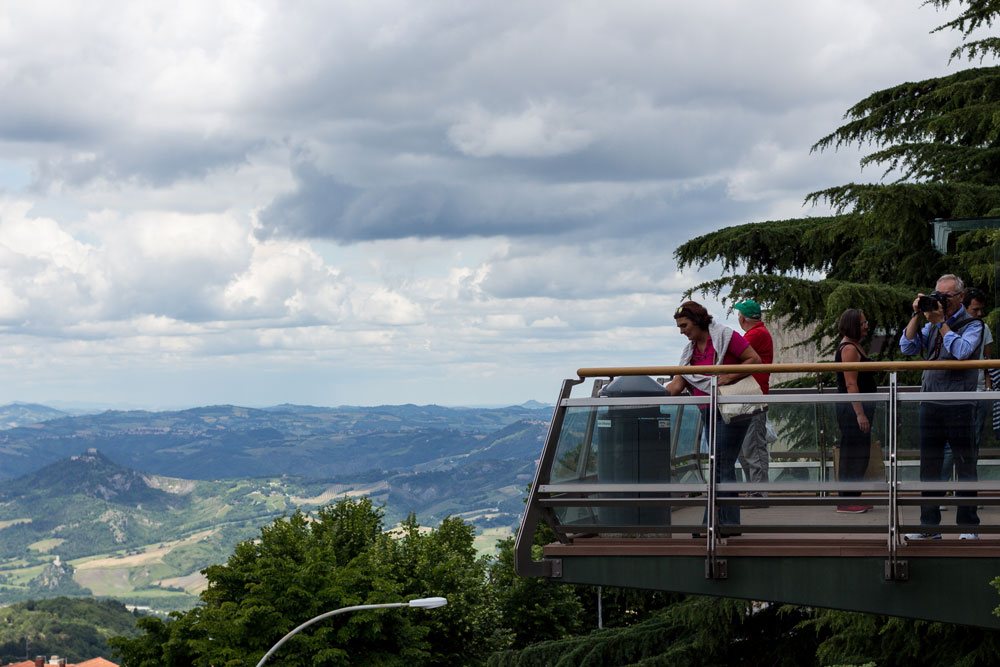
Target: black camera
[928, 303]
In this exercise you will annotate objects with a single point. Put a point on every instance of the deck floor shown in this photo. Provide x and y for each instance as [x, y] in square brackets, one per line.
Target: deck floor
[839, 540]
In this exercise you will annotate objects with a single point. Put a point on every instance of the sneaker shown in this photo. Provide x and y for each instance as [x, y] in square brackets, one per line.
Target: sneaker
[853, 509]
[969, 536]
[910, 537]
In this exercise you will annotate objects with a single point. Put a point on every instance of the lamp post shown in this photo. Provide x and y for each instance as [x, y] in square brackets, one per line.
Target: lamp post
[422, 603]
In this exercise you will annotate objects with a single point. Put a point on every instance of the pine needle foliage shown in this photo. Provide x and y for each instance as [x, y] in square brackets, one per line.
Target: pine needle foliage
[696, 631]
[718, 631]
[853, 638]
[976, 14]
[937, 143]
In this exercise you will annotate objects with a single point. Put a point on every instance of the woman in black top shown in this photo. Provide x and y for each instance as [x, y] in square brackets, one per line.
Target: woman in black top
[854, 419]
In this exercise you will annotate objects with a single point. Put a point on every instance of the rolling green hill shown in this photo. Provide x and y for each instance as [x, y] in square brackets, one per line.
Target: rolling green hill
[83, 510]
[87, 525]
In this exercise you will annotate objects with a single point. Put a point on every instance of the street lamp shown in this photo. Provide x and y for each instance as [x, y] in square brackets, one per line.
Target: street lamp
[422, 603]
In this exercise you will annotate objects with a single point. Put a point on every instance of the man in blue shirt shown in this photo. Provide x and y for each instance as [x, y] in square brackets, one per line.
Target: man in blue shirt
[949, 333]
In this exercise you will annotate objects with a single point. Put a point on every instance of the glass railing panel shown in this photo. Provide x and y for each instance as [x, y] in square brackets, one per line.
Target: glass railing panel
[799, 452]
[625, 444]
[576, 457]
[948, 441]
[806, 466]
[667, 445]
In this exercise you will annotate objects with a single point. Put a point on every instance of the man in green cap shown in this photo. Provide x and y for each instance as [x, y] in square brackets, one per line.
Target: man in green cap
[753, 454]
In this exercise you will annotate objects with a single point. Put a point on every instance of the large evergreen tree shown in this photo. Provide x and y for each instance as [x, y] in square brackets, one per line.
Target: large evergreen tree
[937, 144]
[719, 631]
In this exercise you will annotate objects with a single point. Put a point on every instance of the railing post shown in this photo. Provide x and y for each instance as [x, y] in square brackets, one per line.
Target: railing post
[710, 519]
[820, 423]
[895, 569]
[524, 564]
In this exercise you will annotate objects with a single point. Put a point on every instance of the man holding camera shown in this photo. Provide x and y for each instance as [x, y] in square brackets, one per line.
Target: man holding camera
[949, 333]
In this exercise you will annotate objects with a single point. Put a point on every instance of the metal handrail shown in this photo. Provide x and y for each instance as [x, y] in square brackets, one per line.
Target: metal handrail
[812, 367]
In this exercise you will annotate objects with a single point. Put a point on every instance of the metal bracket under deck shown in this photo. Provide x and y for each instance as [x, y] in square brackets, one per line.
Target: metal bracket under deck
[898, 570]
[716, 568]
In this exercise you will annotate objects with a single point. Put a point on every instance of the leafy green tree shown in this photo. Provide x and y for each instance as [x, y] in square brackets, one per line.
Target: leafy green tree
[470, 627]
[539, 609]
[77, 629]
[938, 144]
[303, 566]
[161, 644]
[535, 609]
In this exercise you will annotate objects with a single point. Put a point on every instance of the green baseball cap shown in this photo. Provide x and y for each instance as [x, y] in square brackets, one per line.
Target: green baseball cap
[749, 308]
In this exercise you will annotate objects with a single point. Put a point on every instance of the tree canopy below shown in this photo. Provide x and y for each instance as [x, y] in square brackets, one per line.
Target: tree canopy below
[74, 628]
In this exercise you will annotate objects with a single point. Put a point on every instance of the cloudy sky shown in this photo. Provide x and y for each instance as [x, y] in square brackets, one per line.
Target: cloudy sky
[385, 201]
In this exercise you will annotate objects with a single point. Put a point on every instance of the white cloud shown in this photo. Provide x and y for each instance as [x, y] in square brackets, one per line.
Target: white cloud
[539, 130]
[384, 306]
[554, 322]
[287, 280]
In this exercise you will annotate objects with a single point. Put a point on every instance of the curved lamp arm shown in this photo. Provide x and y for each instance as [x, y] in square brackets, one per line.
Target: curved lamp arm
[423, 603]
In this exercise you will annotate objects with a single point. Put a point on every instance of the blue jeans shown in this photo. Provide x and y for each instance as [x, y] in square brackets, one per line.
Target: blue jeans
[729, 440]
[952, 424]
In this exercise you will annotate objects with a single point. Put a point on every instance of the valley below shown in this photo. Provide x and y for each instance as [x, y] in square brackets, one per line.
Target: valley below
[133, 505]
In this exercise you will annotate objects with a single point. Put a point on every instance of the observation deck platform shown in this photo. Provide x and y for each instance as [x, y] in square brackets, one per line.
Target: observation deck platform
[624, 481]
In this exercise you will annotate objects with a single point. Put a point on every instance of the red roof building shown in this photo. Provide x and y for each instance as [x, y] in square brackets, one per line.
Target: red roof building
[55, 660]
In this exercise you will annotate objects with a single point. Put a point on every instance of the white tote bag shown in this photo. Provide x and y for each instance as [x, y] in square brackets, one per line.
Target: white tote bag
[745, 387]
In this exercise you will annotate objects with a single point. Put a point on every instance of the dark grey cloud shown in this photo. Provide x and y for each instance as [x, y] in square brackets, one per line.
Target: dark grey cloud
[44, 126]
[614, 261]
[321, 206]
[158, 161]
[634, 92]
[314, 209]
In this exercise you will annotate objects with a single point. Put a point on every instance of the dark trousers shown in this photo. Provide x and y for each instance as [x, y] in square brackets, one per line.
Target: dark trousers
[951, 424]
[729, 441]
[855, 446]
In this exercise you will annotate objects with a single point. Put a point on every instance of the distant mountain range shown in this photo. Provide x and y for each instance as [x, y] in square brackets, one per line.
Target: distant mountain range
[227, 441]
[22, 414]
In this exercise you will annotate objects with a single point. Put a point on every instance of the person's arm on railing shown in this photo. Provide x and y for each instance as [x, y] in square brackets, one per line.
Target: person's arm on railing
[748, 356]
[850, 353]
[676, 385]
